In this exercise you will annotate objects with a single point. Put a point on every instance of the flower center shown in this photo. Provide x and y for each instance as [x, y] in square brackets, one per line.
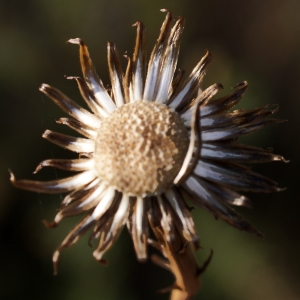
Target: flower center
[140, 148]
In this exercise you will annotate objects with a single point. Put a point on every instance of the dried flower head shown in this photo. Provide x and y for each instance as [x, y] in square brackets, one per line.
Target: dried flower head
[148, 144]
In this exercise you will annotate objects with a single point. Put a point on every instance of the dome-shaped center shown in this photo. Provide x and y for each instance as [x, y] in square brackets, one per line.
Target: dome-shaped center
[140, 148]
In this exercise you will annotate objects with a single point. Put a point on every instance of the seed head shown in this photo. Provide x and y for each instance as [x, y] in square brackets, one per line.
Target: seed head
[140, 148]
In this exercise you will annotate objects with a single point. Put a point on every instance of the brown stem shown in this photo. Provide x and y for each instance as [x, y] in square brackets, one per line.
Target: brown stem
[181, 262]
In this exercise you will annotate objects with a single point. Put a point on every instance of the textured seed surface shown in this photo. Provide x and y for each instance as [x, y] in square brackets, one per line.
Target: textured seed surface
[140, 148]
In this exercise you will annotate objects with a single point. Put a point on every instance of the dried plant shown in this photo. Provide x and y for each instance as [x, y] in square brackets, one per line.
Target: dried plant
[151, 142]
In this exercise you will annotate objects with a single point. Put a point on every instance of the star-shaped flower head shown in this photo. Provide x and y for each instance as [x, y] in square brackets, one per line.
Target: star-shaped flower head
[150, 143]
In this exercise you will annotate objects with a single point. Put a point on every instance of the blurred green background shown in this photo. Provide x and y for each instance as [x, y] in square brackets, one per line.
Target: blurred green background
[258, 41]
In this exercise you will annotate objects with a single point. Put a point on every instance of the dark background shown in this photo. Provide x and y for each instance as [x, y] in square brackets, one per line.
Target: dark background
[258, 41]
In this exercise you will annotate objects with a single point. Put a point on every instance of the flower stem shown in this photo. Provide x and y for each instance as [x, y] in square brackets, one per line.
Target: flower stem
[181, 261]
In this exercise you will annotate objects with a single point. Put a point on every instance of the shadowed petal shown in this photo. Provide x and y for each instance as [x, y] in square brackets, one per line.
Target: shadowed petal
[116, 74]
[228, 133]
[72, 238]
[224, 103]
[128, 87]
[112, 232]
[169, 62]
[238, 153]
[202, 98]
[104, 204]
[69, 142]
[79, 127]
[156, 58]
[166, 221]
[234, 175]
[192, 154]
[70, 107]
[137, 227]
[176, 83]
[104, 223]
[88, 97]
[92, 79]
[205, 198]
[87, 202]
[184, 94]
[237, 118]
[186, 221]
[193, 150]
[139, 63]
[226, 194]
[85, 224]
[76, 165]
[55, 186]
[79, 193]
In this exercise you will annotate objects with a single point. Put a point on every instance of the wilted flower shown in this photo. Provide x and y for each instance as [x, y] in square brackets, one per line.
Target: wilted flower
[149, 143]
